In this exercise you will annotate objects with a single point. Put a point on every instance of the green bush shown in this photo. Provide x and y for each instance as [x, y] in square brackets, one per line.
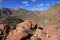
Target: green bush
[11, 20]
[37, 39]
[57, 26]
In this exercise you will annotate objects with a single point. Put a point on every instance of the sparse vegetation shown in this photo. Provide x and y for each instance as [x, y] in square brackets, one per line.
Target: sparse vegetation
[11, 20]
[25, 31]
[37, 38]
[57, 26]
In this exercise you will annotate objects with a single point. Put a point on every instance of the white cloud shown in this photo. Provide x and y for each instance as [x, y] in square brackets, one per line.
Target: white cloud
[1, 3]
[53, 1]
[33, 0]
[47, 4]
[40, 4]
[25, 2]
[21, 6]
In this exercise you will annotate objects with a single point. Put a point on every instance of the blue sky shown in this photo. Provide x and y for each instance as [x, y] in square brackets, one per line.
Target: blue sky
[28, 4]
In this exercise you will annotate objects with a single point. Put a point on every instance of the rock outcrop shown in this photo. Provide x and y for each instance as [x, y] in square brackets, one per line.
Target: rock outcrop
[4, 30]
[48, 33]
[22, 30]
[28, 30]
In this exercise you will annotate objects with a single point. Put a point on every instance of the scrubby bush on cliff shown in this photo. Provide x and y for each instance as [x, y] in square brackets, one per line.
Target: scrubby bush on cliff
[10, 20]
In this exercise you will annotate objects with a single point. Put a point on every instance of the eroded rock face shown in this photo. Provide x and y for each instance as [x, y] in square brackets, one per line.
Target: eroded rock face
[50, 30]
[2, 26]
[28, 30]
[37, 34]
[49, 33]
[4, 30]
[21, 31]
[34, 23]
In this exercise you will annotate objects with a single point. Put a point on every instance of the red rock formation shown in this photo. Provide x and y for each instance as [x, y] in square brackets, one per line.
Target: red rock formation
[37, 34]
[4, 30]
[24, 29]
[48, 33]
[21, 31]
[33, 22]
[50, 30]
[2, 26]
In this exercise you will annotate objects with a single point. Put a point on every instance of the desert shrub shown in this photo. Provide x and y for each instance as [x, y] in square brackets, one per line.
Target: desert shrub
[57, 26]
[25, 30]
[37, 38]
[11, 20]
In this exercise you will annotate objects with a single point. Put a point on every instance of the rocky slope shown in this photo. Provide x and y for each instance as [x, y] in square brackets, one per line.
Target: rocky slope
[28, 30]
[22, 13]
[50, 15]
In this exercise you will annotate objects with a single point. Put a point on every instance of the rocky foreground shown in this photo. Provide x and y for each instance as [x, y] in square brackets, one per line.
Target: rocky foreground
[29, 30]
